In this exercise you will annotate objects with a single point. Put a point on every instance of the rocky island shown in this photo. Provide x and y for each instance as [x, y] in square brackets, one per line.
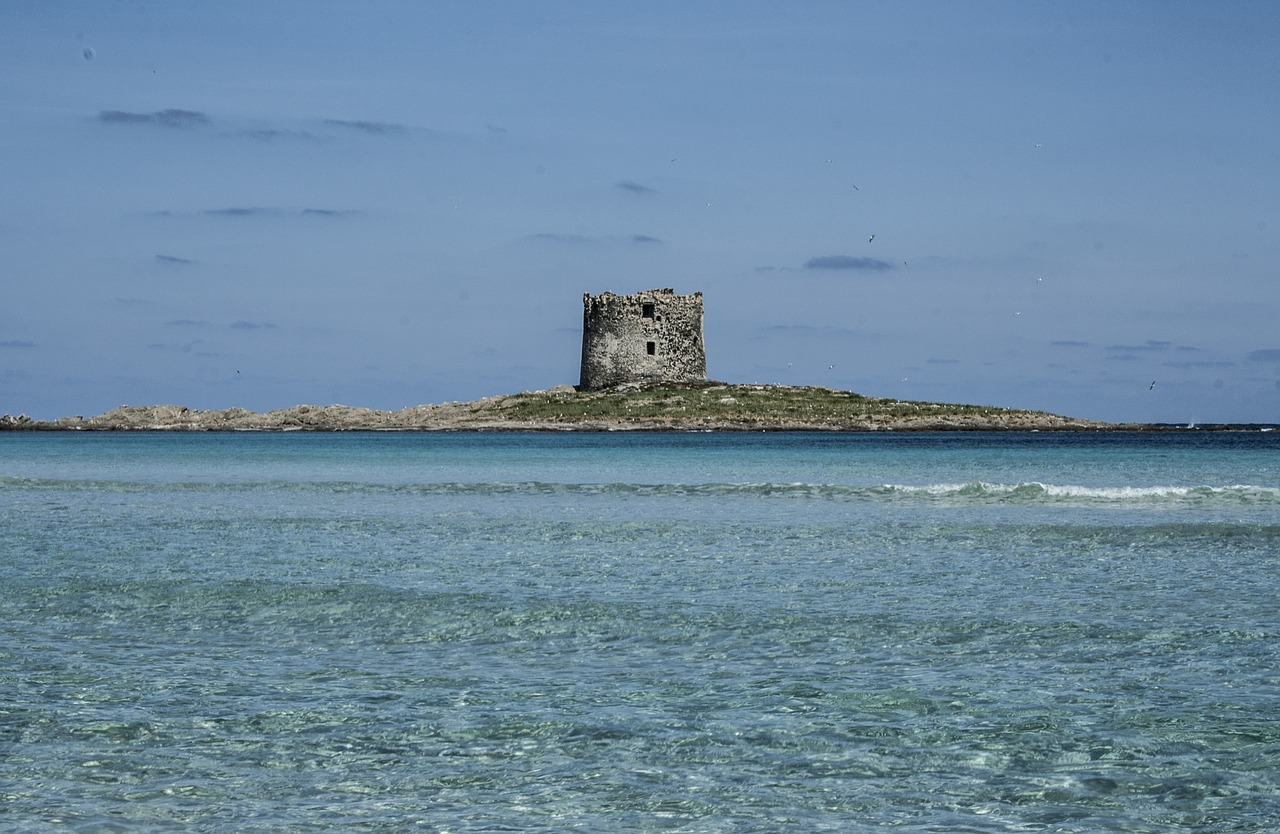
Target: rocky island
[683, 406]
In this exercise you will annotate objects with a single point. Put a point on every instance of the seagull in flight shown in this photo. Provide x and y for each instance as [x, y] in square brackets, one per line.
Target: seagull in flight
[1152, 385]
[873, 237]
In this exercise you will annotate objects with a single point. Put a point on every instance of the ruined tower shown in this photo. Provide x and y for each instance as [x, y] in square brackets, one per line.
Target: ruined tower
[646, 338]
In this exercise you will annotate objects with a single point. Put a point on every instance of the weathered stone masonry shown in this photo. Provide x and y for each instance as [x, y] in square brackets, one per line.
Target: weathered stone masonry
[650, 337]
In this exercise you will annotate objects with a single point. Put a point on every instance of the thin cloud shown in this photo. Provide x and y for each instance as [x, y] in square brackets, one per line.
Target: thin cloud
[273, 134]
[186, 323]
[1268, 355]
[939, 361]
[160, 118]
[318, 212]
[1200, 364]
[260, 211]
[791, 328]
[17, 343]
[1069, 343]
[375, 128]
[1151, 345]
[583, 240]
[634, 187]
[847, 262]
[557, 237]
[173, 259]
[237, 212]
[252, 325]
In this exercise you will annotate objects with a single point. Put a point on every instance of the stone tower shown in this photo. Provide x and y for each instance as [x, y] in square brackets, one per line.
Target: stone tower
[646, 338]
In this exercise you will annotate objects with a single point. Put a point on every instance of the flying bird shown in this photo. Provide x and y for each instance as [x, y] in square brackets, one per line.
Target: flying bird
[1152, 385]
[873, 237]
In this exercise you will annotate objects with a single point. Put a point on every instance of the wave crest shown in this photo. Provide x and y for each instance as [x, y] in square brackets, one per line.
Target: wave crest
[972, 492]
[1034, 492]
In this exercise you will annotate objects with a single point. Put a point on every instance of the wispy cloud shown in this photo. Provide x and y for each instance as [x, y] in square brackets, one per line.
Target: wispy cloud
[1267, 355]
[634, 187]
[1069, 343]
[252, 325]
[1200, 364]
[17, 343]
[239, 211]
[847, 262]
[186, 323]
[267, 134]
[173, 259]
[320, 212]
[160, 118]
[1151, 344]
[377, 128]
[252, 211]
[580, 240]
[559, 237]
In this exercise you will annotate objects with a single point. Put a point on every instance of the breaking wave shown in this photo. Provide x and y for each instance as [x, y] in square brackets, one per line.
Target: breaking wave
[953, 494]
[1038, 493]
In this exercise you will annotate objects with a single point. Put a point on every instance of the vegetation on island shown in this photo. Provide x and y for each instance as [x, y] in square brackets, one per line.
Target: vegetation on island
[724, 406]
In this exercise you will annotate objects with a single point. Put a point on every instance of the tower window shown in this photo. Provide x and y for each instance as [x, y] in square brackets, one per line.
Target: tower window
[646, 311]
[651, 348]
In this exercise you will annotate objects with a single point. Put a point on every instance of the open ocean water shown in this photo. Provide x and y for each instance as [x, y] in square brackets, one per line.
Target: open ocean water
[639, 632]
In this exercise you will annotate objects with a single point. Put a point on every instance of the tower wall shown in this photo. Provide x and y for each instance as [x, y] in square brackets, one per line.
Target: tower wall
[650, 337]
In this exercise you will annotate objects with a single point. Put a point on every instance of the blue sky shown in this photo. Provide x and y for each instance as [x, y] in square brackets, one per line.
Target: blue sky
[386, 204]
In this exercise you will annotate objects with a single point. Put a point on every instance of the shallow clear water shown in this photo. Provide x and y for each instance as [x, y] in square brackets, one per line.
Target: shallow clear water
[619, 632]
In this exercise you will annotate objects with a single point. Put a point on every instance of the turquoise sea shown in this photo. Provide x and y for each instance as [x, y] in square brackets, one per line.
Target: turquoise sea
[639, 632]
